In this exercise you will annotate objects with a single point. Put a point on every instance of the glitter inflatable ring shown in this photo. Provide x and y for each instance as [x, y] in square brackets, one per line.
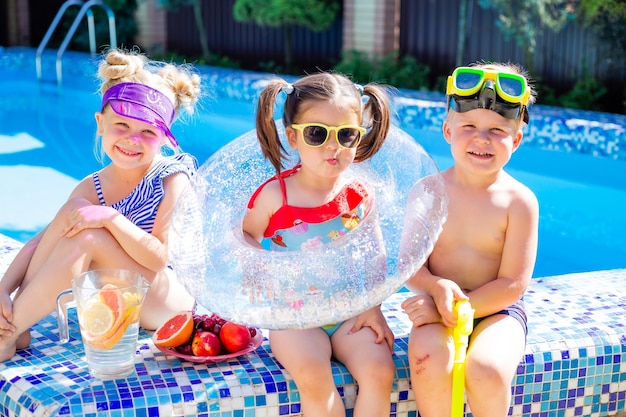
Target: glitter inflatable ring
[304, 289]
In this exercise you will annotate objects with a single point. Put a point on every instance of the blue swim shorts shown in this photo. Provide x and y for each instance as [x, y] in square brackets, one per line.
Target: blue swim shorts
[516, 311]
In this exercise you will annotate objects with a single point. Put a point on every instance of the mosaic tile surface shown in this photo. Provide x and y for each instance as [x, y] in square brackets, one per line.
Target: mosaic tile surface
[575, 365]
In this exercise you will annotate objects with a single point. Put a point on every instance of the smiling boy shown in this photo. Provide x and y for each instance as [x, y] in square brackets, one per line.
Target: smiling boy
[486, 251]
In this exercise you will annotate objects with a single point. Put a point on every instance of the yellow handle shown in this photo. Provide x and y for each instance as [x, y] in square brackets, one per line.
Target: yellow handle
[464, 327]
[465, 317]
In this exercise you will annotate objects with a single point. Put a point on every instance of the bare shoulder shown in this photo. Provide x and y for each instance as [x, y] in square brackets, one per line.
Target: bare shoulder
[269, 197]
[264, 204]
[522, 197]
[86, 189]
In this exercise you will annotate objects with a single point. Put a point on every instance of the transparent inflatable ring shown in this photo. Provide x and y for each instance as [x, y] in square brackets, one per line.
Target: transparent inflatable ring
[304, 289]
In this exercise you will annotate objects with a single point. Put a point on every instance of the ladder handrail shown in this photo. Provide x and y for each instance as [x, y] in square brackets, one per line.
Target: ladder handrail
[50, 31]
[85, 9]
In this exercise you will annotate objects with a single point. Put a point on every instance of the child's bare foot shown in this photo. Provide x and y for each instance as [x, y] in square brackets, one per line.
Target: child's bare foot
[23, 340]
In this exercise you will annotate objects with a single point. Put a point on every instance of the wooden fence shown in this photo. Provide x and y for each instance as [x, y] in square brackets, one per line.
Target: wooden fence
[428, 30]
[248, 43]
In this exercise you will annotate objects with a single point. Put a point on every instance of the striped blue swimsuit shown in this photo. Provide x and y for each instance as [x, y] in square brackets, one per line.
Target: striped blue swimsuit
[141, 205]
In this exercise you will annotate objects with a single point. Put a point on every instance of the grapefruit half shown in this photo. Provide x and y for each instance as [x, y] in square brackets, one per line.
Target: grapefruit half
[174, 332]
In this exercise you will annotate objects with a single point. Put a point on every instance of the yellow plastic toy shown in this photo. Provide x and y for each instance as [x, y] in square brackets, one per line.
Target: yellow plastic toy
[464, 327]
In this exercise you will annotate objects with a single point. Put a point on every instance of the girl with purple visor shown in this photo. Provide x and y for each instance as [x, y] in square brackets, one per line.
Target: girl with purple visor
[119, 216]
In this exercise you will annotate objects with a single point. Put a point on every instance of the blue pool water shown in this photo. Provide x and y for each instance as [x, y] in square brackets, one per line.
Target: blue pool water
[46, 146]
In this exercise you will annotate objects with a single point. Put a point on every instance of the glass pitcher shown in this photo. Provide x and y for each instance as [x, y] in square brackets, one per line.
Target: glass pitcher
[108, 305]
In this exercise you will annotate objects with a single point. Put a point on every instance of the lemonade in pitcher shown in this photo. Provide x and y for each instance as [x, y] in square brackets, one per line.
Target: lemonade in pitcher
[108, 304]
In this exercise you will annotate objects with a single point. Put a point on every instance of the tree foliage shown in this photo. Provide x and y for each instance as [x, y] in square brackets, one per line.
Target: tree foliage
[522, 20]
[608, 19]
[317, 15]
[392, 69]
[175, 5]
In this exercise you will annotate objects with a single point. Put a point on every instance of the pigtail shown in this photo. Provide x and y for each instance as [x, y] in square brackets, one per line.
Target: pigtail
[266, 131]
[377, 120]
[183, 83]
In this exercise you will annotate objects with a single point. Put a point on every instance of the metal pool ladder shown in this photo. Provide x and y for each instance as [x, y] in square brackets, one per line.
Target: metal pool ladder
[84, 9]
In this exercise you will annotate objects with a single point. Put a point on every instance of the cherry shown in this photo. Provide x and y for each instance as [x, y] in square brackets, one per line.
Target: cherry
[185, 349]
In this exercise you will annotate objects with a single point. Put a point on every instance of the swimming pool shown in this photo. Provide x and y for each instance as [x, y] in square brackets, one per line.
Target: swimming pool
[46, 146]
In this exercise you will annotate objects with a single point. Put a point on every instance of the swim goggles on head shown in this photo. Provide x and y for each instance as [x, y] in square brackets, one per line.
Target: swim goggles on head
[316, 134]
[142, 103]
[471, 88]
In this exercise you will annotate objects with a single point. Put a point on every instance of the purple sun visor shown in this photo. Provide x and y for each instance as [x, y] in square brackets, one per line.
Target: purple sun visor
[142, 103]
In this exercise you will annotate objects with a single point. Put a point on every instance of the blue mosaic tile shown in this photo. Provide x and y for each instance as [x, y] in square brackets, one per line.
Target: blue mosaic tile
[570, 374]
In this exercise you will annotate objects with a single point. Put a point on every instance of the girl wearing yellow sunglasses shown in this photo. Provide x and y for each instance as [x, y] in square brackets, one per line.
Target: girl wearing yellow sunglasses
[330, 123]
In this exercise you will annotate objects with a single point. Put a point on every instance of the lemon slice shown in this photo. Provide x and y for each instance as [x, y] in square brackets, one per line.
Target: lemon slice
[132, 299]
[97, 318]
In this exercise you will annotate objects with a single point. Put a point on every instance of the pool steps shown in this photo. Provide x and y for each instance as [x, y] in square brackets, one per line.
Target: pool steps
[85, 9]
[574, 365]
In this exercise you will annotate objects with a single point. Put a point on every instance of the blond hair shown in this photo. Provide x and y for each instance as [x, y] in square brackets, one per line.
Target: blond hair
[178, 82]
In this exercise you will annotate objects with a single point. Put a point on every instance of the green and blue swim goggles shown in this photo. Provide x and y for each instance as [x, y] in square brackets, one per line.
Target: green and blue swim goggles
[476, 88]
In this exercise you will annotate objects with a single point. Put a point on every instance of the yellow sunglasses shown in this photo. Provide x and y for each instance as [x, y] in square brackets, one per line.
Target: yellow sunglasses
[468, 81]
[316, 134]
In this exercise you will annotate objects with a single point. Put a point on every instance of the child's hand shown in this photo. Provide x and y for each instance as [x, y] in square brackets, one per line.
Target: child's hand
[6, 307]
[88, 217]
[445, 295]
[375, 319]
[421, 310]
